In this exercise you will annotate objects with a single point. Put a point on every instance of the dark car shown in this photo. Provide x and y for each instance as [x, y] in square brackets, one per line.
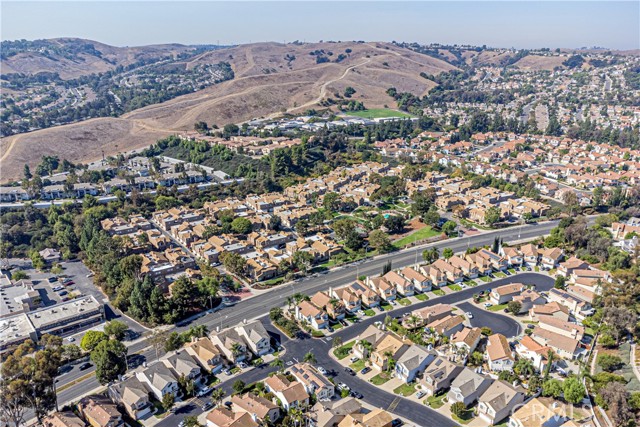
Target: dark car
[365, 370]
[52, 279]
[356, 394]
[85, 366]
[228, 404]
[349, 371]
[397, 422]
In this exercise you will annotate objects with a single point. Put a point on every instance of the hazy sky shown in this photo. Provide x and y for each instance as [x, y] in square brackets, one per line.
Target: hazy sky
[518, 24]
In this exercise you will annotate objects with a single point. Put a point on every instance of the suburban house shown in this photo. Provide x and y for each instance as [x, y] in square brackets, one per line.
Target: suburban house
[452, 273]
[160, 380]
[256, 337]
[482, 264]
[562, 327]
[566, 268]
[182, 364]
[447, 326]
[334, 307]
[536, 413]
[292, 394]
[377, 418]
[577, 306]
[554, 309]
[368, 296]
[550, 258]
[99, 411]
[439, 375]
[330, 413]
[467, 387]
[497, 261]
[386, 290]
[467, 339]
[313, 381]
[498, 353]
[223, 417]
[389, 347]
[530, 349]
[257, 406]
[505, 293]
[567, 348]
[206, 354]
[403, 286]
[314, 316]
[367, 340]
[412, 362]
[420, 282]
[63, 419]
[497, 402]
[133, 395]
[527, 299]
[431, 314]
[50, 255]
[231, 344]
[436, 276]
[469, 269]
[512, 255]
[530, 255]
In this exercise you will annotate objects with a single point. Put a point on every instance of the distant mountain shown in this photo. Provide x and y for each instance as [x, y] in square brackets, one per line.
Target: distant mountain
[73, 57]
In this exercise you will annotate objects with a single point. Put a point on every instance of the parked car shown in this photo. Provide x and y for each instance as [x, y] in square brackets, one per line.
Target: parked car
[469, 315]
[329, 328]
[226, 371]
[243, 365]
[420, 394]
[349, 371]
[397, 422]
[343, 386]
[487, 304]
[204, 391]
[71, 339]
[69, 283]
[365, 370]
[58, 288]
[52, 279]
[207, 406]
[322, 370]
[354, 359]
[361, 312]
[356, 394]
[62, 293]
[85, 366]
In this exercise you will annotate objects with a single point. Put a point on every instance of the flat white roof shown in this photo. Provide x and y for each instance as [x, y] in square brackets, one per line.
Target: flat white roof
[15, 328]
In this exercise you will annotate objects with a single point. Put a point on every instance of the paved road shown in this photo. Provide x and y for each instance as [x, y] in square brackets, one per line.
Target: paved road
[257, 307]
[498, 323]
[373, 395]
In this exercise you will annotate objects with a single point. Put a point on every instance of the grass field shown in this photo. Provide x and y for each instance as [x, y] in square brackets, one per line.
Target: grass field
[438, 292]
[369, 312]
[498, 307]
[423, 233]
[379, 379]
[405, 389]
[404, 301]
[436, 401]
[455, 287]
[357, 366]
[422, 297]
[377, 113]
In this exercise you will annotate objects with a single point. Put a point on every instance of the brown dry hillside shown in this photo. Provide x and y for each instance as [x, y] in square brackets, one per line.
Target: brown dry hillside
[80, 64]
[267, 82]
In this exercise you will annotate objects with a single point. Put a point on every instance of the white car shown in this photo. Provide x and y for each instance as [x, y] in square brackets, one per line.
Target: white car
[469, 315]
[322, 370]
[343, 386]
[354, 359]
[488, 304]
[204, 391]
[361, 312]
[420, 394]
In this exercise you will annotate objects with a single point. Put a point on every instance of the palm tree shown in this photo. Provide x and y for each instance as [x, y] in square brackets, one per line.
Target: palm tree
[551, 356]
[310, 358]
[277, 363]
[216, 396]
[289, 301]
[391, 363]
[236, 349]
[366, 347]
[413, 320]
[199, 331]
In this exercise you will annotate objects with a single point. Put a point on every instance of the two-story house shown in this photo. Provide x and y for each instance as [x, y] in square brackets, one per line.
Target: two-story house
[160, 379]
[467, 387]
[314, 316]
[499, 355]
[315, 383]
[439, 375]
[413, 362]
[497, 402]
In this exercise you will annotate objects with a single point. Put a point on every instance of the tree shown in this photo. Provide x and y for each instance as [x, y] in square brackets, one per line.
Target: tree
[174, 341]
[430, 255]
[302, 260]
[573, 390]
[492, 215]
[447, 253]
[110, 358]
[277, 363]
[275, 222]
[570, 200]
[476, 358]
[191, 421]
[216, 396]
[609, 362]
[458, 409]
[70, 353]
[379, 240]
[514, 307]
[337, 342]
[331, 201]
[116, 329]
[552, 388]
[616, 398]
[168, 399]
[449, 227]
[559, 283]
[233, 262]
[309, 357]
[394, 223]
[241, 225]
[619, 320]
[238, 386]
[27, 172]
[91, 339]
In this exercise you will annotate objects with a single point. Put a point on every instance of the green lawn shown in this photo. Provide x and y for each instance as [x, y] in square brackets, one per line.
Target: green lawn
[422, 297]
[498, 307]
[438, 292]
[405, 389]
[485, 279]
[536, 269]
[342, 352]
[436, 401]
[404, 301]
[376, 113]
[423, 233]
[500, 274]
[337, 326]
[379, 379]
[369, 312]
[357, 366]
[470, 283]
[467, 416]
[512, 270]
[455, 287]
[386, 306]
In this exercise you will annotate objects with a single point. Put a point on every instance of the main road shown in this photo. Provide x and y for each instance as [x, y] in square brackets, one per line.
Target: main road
[259, 306]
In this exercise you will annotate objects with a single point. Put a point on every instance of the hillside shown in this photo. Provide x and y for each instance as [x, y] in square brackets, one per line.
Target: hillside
[270, 78]
[72, 57]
